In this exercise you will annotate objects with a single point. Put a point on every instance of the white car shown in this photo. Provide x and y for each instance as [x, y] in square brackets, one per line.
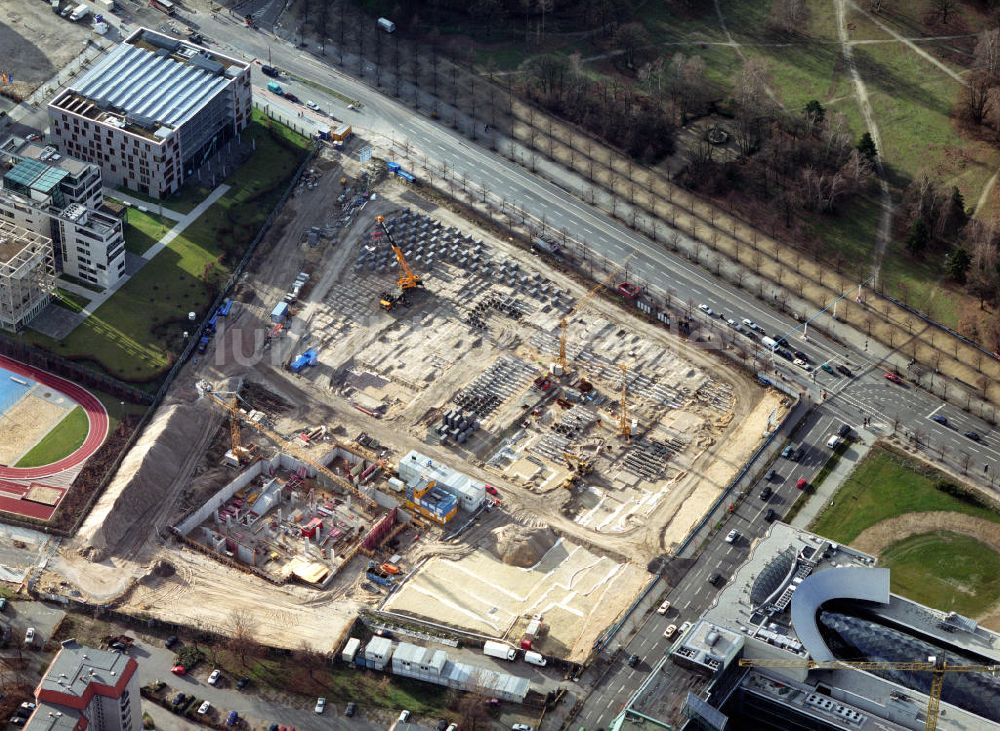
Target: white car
[404, 716]
[803, 365]
[29, 636]
[203, 708]
[312, 105]
[664, 608]
[685, 627]
[707, 310]
[754, 326]
[320, 705]
[669, 631]
[213, 679]
[521, 727]
[732, 536]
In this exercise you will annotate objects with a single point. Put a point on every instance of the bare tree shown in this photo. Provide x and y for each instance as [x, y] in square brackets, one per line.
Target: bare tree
[241, 634]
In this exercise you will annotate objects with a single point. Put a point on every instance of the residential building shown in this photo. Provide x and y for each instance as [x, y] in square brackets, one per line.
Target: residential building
[27, 275]
[63, 199]
[801, 598]
[91, 689]
[152, 111]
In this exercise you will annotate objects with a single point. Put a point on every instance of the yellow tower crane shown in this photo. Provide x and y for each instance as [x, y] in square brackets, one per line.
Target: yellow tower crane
[234, 426]
[624, 428]
[294, 450]
[938, 666]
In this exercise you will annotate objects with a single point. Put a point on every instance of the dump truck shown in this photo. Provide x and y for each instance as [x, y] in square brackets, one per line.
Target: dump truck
[377, 575]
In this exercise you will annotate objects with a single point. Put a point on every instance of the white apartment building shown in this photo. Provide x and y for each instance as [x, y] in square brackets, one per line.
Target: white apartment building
[63, 199]
[27, 275]
[91, 689]
[152, 111]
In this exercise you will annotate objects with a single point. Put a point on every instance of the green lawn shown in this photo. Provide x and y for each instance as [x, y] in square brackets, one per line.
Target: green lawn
[135, 335]
[63, 440]
[884, 485]
[142, 230]
[945, 570]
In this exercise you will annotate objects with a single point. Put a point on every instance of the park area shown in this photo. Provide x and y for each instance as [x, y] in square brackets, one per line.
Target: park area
[136, 335]
[940, 539]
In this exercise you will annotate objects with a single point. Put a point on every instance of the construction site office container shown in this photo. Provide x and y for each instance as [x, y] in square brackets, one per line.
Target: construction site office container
[351, 650]
[280, 312]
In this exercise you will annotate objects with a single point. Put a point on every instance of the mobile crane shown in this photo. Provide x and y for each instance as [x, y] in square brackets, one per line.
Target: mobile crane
[407, 279]
[937, 666]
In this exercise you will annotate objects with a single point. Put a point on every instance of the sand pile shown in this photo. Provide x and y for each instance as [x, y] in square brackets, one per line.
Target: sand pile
[145, 478]
[523, 547]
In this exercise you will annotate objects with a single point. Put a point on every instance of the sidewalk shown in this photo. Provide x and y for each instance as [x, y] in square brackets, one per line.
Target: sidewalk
[848, 461]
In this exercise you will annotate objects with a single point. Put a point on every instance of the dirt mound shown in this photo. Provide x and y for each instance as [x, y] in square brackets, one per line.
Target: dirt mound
[144, 483]
[875, 539]
[519, 546]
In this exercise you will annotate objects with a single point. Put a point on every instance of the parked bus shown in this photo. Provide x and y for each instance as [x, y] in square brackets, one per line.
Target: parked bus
[164, 6]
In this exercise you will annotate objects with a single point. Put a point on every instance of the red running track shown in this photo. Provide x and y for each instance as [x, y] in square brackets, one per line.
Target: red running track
[97, 416]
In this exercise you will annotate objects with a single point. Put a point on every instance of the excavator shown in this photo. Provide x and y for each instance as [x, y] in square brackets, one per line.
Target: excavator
[389, 300]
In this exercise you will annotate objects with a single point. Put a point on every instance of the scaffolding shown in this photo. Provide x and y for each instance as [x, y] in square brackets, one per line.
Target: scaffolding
[27, 275]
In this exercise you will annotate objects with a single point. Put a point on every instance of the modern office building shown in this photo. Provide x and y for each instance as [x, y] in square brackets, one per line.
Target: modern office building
[801, 598]
[152, 111]
[89, 689]
[27, 275]
[63, 199]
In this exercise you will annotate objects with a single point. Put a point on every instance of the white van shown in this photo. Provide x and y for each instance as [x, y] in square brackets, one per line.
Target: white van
[769, 343]
[387, 25]
[833, 441]
[535, 658]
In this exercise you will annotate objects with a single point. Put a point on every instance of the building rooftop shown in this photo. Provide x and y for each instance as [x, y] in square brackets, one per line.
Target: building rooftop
[21, 149]
[18, 245]
[76, 668]
[150, 82]
[35, 175]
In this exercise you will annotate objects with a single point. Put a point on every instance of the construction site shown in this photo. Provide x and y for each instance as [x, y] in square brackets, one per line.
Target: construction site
[408, 411]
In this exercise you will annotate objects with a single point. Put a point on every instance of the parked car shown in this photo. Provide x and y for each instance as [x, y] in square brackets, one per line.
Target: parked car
[404, 716]
[178, 699]
[170, 641]
[844, 370]
[213, 679]
[715, 580]
[664, 608]
[17, 720]
[786, 354]
[827, 367]
[442, 724]
[669, 631]
[798, 454]
[312, 105]
[685, 627]
[29, 635]
[766, 493]
[803, 365]
[844, 431]
[233, 718]
[802, 356]
[801, 483]
[178, 670]
[890, 376]
[732, 536]
[292, 98]
[492, 491]
[942, 420]
[242, 683]
[320, 705]
[633, 660]
[754, 326]
[780, 341]
[452, 727]
[204, 708]
[788, 451]
[771, 476]
[974, 436]
[521, 727]
[707, 310]
[351, 709]
[770, 515]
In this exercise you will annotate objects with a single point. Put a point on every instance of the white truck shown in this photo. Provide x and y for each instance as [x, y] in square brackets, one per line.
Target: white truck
[387, 25]
[80, 12]
[769, 343]
[499, 650]
[535, 658]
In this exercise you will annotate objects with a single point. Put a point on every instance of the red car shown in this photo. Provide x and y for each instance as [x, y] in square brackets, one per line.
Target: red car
[492, 490]
[627, 289]
[890, 376]
[801, 484]
[178, 670]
